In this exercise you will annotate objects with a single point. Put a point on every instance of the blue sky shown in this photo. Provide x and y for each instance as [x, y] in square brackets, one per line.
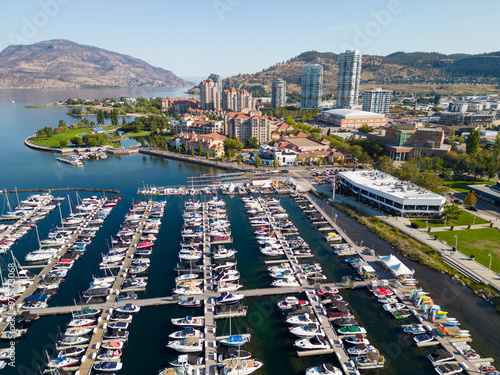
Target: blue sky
[197, 37]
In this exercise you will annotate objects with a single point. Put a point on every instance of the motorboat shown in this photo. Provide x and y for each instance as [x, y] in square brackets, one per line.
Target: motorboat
[382, 292]
[187, 345]
[448, 368]
[108, 366]
[414, 329]
[440, 356]
[112, 345]
[356, 340]
[420, 339]
[61, 362]
[81, 322]
[235, 340]
[300, 320]
[110, 355]
[351, 330]
[78, 331]
[189, 321]
[123, 317]
[116, 334]
[223, 253]
[187, 290]
[289, 281]
[73, 340]
[309, 330]
[13, 334]
[222, 266]
[86, 312]
[291, 301]
[118, 325]
[237, 366]
[370, 360]
[128, 309]
[343, 322]
[191, 302]
[314, 343]
[401, 314]
[72, 352]
[324, 369]
[361, 350]
[186, 277]
[228, 298]
[186, 332]
[187, 360]
[389, 307]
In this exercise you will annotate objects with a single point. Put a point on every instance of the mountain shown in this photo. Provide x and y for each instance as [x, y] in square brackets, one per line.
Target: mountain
[62, 63]
[398, 68]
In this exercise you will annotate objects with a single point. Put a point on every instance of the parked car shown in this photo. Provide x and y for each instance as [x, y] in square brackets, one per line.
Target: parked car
[473, 208]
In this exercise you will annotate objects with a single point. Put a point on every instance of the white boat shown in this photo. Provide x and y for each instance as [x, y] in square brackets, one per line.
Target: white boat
[351, 330]
[61, 362]
[301, 320]
[189, 321]
[108, 366]
[186, 291]
[450, 368]
[228, 298]
[314, 343]
[361, 350]
[289, 281]
[185, 360]
[81, 322]
[356, 340]
[187, 345]
[187, 332]
[333, 237]
[110, 355]
[291, 301]
[228, 287]
[78, 331]
[236, 366]
[324, 369]
[310, 330]
[370, 361]
[129, 309]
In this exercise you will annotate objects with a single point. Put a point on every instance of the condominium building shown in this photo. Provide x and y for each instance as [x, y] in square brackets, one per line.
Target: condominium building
[348, 79]
[209, 95]
[180, 105]
[278, 93]
[247, 125]
[377, 100]
[312, 86]
[217, 80]
[234, 100]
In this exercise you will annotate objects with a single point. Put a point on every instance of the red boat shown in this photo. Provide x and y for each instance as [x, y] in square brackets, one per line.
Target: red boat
[291, 301]
[381, 292]
[321, 292]
[145, 245]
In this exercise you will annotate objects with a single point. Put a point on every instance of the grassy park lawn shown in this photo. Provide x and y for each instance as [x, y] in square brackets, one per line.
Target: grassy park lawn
[461, 186]
[479, 242]
[54, 140]
[465, 218]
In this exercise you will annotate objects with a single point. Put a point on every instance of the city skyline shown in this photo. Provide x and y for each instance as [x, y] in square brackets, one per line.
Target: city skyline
[170, 34]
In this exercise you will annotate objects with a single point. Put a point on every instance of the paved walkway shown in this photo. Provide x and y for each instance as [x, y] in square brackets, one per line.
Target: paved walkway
[457, 260]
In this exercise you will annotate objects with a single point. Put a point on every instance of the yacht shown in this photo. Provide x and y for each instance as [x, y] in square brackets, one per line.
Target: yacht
[236, 366]
[314, 343]
[228, 298]
[108, 366]
[187, 345]
[324, 369]
[351, 330]
[189, 321]
[300, 320]
[310, 330]
[369, 361]
[440, 356]
[186, 332]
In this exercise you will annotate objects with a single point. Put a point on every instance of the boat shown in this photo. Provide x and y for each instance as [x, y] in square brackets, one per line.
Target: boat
[414, 329]
[401, 314]
[389, 307]
[228, 298]
[61, 362]
[223, 253]
[78, 331]
[110, 355]
[72, 352]
[343, 322]
[333, 237]
[118, 325]
[191, 302]
[351, 330]
[235, 340]
[382, 292]
[186, 332]
[361, 349]
[108, 366]
[112, 345]
[420, 339]
[189, 321]
[187, 345]
[86, 312]
[237, 366]
[189, 290]
[81, 322]
[73, 340]
[116, 335]
[369, 361]
[354, 260]
[286, 282]
[448, 368]
[123, 317]
[303, 319]
[440, 356]
[324, 369]
[128, 309]
[14, 334]
[356, 340]
[185, 360]
[290, 301]
[310, 330]
[234, 353]
[314, 343]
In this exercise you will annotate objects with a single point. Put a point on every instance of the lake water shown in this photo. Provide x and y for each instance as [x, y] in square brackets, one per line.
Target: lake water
[145, 352]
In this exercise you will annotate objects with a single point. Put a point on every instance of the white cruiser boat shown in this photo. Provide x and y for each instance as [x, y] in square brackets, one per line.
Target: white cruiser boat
[187, 345]
[324, 369]
[314, 343]
[310, 330]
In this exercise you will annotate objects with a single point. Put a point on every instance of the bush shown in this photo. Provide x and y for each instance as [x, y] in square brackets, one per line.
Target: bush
[415, 225]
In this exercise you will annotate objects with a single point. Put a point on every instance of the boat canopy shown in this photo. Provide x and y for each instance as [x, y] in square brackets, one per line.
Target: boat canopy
[396, 267]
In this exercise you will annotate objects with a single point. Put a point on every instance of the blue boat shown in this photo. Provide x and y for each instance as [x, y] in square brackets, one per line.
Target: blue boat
[353, 260]
[235, 340]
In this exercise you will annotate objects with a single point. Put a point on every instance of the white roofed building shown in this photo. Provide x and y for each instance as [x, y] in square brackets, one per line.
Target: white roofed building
[353, 119]
[386, 192]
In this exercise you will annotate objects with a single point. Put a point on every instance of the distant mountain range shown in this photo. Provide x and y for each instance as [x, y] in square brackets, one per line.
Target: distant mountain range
[61, 63]
[398, 68]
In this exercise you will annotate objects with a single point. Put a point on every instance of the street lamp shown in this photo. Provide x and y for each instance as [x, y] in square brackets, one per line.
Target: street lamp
[489, 267]
[456, 242]
[446, 218]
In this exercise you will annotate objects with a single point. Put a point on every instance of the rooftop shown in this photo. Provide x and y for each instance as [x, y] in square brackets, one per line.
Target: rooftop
[352, 113]
[385, 183]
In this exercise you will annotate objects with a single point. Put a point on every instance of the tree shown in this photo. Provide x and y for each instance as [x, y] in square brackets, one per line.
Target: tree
[62, 124]
[200, 150]
[207, 155]
[179, 149]
[451, 211]
[276, 163]
[328, 133]
[437, 99]
[472, 145]
[186, 147]
[77, 141]
[429, 181]
[222, 157]
[384, 164]
[192, 151]
[239, 159]
[100, 117]
[495, 149]
[365, 129]
[124, 121]
[114, 117]
[471, 199]
[63, 143]
[407, 171]
[231, 144]
[252, 142]
[257, 161]
[297, 160]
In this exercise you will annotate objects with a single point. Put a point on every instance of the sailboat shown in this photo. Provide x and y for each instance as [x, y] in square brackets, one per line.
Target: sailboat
[234, 340]
[14, 215]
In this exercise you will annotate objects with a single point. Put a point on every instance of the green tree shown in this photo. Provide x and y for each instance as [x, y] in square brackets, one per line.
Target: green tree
[407, 171]
[186, 147]
[328, 133]
[63, 143]
[100, 117]
[239, 159]
[222, 156]
[77, 141]
[384, 163]
[365, 129]
[199, 148]
[231, 144]
[472, 145]
[252, 142]
[62, 124]
[114, 117]
[298, 159]
[451, 211]
[192, 151]
[276, 163]
[430, 181]
[207, 155]
[257, 161]
[495, 149]
[124, 121]
[437, 99]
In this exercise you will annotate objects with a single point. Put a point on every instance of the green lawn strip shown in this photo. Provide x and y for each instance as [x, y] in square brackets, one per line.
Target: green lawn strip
[142, 133]
[461, 186]
[54, 140]
[479, 242]
[465, 218]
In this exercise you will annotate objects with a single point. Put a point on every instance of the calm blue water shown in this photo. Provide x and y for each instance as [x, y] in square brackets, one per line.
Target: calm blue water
[146, 353]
